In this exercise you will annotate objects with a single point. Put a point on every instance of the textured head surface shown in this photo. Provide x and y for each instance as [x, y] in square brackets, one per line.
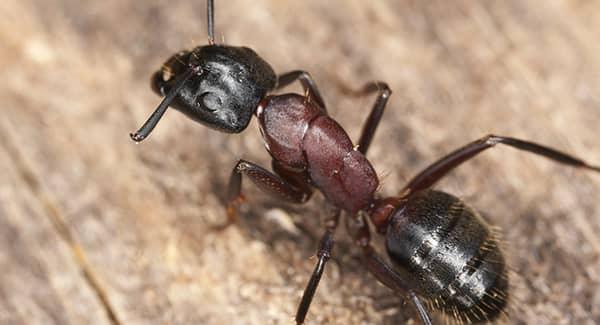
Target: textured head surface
[225, 91]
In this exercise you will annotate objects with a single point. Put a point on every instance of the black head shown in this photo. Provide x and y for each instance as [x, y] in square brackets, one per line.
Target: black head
[217, 85]
[225, 89]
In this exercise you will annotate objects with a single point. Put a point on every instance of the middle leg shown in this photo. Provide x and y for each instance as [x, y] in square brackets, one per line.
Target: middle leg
[383, 94]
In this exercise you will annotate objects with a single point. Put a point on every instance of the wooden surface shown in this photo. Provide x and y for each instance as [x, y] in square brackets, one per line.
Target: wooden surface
[97, 230]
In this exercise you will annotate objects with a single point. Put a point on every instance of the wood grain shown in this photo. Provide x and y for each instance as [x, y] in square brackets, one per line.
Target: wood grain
[97, 230]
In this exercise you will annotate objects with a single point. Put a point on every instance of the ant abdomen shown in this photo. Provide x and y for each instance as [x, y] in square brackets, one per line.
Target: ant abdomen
[450, 255]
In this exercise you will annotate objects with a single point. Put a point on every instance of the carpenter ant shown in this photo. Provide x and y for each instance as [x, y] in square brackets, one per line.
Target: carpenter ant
[441, 250]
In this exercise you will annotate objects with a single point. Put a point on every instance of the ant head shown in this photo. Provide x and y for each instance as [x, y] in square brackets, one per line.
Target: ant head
[224, 89]
[219, 86]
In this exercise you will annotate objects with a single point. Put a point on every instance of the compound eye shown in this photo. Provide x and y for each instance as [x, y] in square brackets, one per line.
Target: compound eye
[210, 101]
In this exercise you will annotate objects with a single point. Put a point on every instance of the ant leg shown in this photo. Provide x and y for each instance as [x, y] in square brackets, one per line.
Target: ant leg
[299, 180]
[308, 84]
[383, 94]
[374, 118]
[440, 168]
[392, 280]
[359, 230]
[267, 181]
[323, 254]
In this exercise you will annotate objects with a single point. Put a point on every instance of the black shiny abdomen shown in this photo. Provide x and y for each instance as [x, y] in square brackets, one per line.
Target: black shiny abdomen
[450, 255]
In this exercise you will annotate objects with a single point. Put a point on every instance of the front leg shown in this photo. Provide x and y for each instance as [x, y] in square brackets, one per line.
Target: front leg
[267, 181]
[308, 84]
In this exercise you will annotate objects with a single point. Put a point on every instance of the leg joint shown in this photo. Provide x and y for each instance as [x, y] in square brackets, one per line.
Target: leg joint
[491, 139]
[242, 165]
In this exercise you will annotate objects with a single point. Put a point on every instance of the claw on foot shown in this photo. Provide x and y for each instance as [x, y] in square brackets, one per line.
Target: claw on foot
[232, 213]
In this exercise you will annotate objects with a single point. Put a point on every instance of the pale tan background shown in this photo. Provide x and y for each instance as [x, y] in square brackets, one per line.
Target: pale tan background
[90, 222]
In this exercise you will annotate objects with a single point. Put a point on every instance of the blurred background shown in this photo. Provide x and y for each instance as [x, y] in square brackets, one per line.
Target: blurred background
[97, 230]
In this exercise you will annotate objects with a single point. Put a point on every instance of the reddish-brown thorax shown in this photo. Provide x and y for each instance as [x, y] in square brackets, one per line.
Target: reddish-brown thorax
[300, 136]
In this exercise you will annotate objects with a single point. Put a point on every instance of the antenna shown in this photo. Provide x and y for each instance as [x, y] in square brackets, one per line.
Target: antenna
[210, 18]
[149, 125]
[145, 130]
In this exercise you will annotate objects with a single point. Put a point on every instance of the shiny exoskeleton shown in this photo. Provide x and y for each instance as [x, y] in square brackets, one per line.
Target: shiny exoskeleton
[450, 254]
[441, 250]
